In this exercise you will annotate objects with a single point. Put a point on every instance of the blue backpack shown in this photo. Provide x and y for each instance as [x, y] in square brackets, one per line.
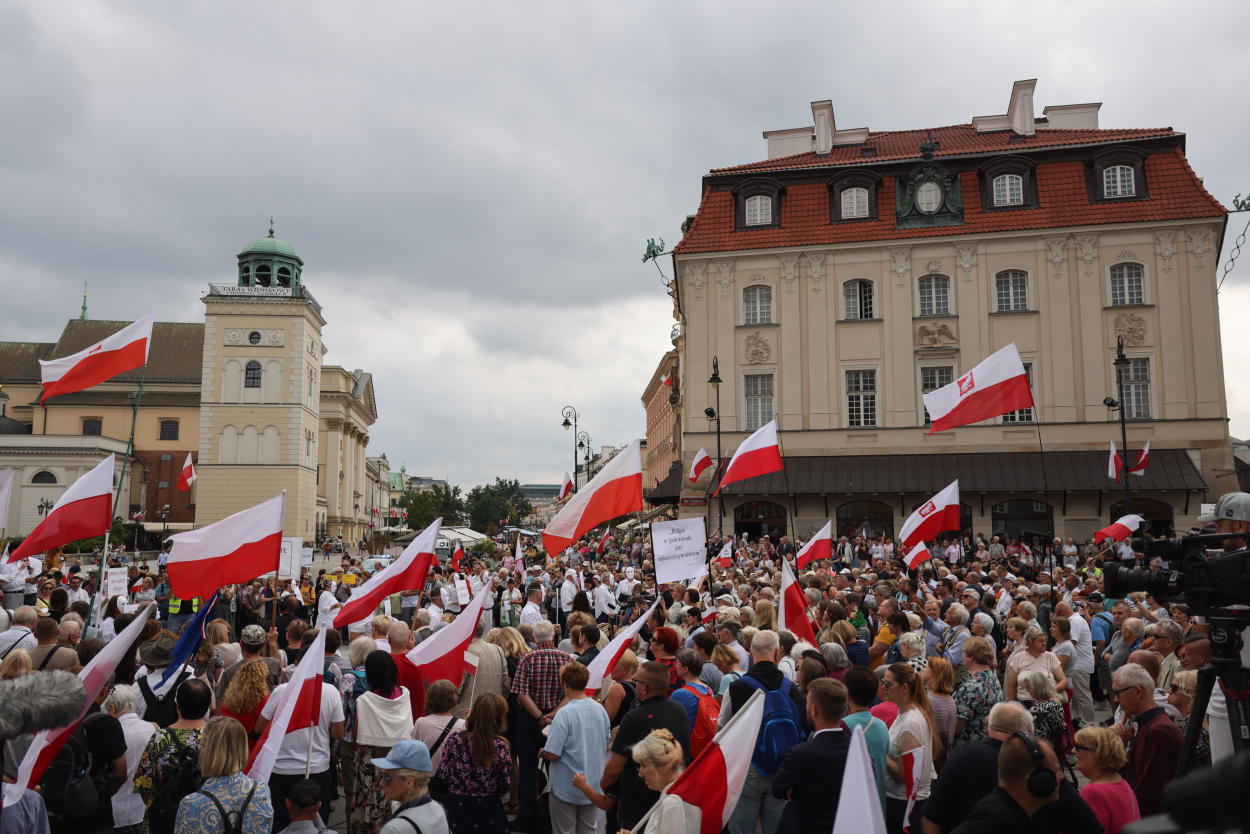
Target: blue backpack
[781, 728]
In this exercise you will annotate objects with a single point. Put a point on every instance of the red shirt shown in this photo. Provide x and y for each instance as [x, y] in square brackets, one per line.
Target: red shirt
[1114, 804]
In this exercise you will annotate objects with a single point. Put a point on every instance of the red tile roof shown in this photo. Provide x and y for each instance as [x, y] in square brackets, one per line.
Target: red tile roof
[1175, 194]
[954, 140]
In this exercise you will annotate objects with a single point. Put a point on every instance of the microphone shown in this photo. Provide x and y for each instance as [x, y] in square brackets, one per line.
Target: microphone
[42, 701]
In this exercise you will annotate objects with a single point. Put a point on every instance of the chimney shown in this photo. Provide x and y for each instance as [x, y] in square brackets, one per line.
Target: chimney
[1020, 112]
[822, 116]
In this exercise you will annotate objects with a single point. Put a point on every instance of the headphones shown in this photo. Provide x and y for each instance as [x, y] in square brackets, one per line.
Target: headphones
[1041, 782]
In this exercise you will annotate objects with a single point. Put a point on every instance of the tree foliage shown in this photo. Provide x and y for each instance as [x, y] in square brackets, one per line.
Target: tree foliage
[491, 505]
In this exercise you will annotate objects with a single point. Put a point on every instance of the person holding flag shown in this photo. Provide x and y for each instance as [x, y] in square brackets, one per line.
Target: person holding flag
[913, 737]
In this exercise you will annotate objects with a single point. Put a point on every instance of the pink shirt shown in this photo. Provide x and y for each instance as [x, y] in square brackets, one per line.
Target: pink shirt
[887, 711]
[1113, 803]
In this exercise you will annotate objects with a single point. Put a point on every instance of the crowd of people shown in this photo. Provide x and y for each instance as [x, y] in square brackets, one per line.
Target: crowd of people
[984, 682]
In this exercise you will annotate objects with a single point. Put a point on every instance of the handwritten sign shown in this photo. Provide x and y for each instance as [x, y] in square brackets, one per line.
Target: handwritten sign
[679, 549]
[115, 583]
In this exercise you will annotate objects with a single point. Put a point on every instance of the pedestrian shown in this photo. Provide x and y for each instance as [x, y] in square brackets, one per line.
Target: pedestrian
[226, 793]
[539, 691]
[1100, 756]
[166, 770]
[577, 742]
[810, 778]
[405, 779]
[476, 769]
[1028, 780]
[914, 730]
[128, 807]
[383, 717]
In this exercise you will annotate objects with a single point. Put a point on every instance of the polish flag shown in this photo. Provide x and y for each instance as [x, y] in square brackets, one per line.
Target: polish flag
[996, 386]
[701, 461]
[238, 548]
[298, 708]
[566, 489]
[601, 667]
[725, 558]
[48, 743]
[759, 454]
[793, 613]
[1115, 463]
[709, 788]
[407, 573]
[84, 510]
[188, 476]
[1123, 527]
[518, 561]
[442, 655]
[603, 542]
[615, 491]
[125, 350]
[456, 556]
[666, 380]
[914, 763]
[819, 546]
[938, 514]
[859, 809]
[1143, 458]
[918, 553]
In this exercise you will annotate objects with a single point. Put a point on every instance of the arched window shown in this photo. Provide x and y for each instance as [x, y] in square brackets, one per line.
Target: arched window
[284, 277]
[854, 203]
[870, 519]
[44, 477]
[857, 300]
[1023, 518]
[759, 210]
[169, 429]
[92, 427]
[929, 197]
[251, 376]
[1008, 190]
[1119, 181]
[935, 296]
[245, 275]
[1011, 288]
[760, 518]
[262, 275]
[757, 305]
[1126, 285]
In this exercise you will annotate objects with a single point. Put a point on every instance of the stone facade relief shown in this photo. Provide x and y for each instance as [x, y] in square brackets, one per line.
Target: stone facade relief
[1165, 247]
[1131, 328]
[696, 278]
[1200, 240]
[1057, 254]
[900, 264]
[724, 277]
[789, 271]
[966, 258]
[1088, 251]
[935, 335]
[757, 350]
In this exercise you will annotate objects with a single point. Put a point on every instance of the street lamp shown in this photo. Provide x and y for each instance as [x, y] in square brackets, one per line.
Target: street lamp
[1121, 364]
[570, 414]
[44, 507]
[714, 414]
[164, 523]
[583, 443]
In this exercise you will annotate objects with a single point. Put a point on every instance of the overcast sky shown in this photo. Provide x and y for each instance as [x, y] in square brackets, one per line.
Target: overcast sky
[471, 184]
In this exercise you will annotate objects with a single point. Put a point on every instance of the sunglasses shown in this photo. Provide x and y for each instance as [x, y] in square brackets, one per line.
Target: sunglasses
[1116, 692]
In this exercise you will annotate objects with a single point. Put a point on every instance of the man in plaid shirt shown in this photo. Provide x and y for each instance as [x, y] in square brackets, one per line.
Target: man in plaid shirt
[539, 692]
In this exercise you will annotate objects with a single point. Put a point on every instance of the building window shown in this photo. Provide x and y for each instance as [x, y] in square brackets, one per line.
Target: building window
[1126, 285]
[253, 338]
[757, 305]
[759, 210]
[759, 399]
[854, 203]
[163, 485]
[935, 298]
[251, 377]
[1024, 415]
[262, 275]
[857, 300]
[861, 398]
[1119, 181]
[1008, 190]
[932, 379]
[1011, 287]
[169, 430]
[929, 197]
[92, 427]
[1137, 390]
[44, 477]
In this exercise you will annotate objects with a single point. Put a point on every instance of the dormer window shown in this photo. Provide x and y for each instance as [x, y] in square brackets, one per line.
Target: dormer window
[855, 203]
[757, 204]
[929, 197]
[1008, 190]
[853, 196]
[1117, 174]
[1118, 181]
[759, 210]
[1008, 183]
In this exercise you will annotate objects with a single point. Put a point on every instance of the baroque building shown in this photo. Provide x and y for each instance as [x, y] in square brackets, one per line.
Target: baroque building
[854, 270]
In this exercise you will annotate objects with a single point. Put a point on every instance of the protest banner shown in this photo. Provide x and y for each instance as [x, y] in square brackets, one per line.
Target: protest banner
[679, 551]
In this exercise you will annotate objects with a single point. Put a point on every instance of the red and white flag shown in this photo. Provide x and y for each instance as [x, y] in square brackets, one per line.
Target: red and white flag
[702, 460]
[759, 454]
[457, 556]
[1115, 464]
[996, 386]
[615, 491]
[125, 350]
[914, 764]
[442, 655]
[1121, 529]
[793, 604]
[859, 808]
[188, 476]
[709, 788]
[819, 546]
[48, 743]
[604, 662]
[518, 561]
[666, 380]
[238, 548]
[1143, 458]
[566, 489]
[298, 708]
[407, 573]
[918, 553]
[725, 558]
[603, 542]
[937, 515]
[84, 510]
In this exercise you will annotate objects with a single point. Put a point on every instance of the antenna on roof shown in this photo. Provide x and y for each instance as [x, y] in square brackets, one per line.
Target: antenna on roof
[82, 316]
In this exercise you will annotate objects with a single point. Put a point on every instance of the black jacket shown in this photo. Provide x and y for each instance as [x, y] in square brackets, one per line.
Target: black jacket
[811, 778]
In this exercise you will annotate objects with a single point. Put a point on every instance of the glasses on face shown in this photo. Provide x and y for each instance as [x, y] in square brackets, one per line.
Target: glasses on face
[1116, 692]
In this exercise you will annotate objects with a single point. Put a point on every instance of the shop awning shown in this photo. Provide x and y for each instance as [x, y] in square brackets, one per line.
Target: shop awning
[1170, 470]
[668, 490]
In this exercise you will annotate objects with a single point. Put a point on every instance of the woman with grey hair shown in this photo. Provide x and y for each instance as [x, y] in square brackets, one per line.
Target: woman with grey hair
[405, 778]
[911, 646]
[122, 703]
[1046, 708]
[982, 625]
[836, 659]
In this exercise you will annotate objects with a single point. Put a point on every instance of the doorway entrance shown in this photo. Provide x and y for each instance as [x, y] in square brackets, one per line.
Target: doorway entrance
[760, 518]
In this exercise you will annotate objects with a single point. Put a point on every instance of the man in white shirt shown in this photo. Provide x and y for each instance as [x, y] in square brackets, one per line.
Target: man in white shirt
[19, 634]
[1082, 664]
[121, 703]
[156, 656]
[568, 590]
[604, 599]
[436, 609]
[13, 584]
[532, 613]
[76, 591]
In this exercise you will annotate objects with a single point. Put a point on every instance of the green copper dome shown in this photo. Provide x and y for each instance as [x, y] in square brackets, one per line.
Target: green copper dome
[270, 245]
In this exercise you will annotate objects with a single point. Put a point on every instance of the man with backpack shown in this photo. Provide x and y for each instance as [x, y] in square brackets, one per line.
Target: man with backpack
[79, 783]
[157, 697]
[168, 770]
[697, 697]
[782, 727]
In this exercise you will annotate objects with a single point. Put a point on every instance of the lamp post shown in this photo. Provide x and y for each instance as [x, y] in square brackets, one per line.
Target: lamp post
[1121, 364]
[583, 443]
[44, 506]
[570, 421]
[714, 414]
[164, 522]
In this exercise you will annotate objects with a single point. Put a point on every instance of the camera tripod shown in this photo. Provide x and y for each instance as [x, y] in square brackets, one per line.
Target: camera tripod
[1225, 665]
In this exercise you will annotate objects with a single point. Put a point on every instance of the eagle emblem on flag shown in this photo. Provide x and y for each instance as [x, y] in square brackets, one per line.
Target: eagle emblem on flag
[965, 385]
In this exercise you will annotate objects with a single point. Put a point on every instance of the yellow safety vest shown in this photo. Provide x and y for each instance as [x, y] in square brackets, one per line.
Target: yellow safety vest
[175, 604]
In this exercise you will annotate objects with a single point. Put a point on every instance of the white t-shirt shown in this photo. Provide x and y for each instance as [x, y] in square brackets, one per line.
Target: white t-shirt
[1083, 642]
[325, 617]
[531, 614]
[294, 751]
[911, 723]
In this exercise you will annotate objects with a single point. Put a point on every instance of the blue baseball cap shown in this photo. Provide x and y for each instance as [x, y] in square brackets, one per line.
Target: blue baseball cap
[408, 754]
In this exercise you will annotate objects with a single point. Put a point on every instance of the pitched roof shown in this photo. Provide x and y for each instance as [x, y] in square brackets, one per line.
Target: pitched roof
[19, 361]
[1175, 193]
[953, 140]
[176, 353]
